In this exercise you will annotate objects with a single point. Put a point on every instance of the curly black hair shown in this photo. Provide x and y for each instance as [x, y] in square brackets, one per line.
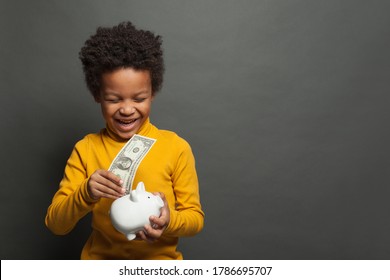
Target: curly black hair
[122, 46]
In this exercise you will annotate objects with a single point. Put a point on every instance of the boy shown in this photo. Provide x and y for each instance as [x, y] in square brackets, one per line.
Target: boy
[123, 69]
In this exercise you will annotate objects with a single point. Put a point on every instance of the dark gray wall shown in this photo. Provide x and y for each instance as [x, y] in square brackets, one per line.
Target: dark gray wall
[285, 103]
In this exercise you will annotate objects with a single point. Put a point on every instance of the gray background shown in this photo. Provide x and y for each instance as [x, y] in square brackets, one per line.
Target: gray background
[285, 104]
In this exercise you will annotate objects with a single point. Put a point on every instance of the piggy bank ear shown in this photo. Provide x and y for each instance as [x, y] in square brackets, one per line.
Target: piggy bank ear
[159, 201]
[136, 194]
[140, 187]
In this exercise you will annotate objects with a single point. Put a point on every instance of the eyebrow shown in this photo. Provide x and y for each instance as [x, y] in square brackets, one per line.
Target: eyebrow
[109, 92]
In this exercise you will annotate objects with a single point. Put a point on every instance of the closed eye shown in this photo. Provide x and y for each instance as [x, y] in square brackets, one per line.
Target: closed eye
[139, 100]
[112, 100]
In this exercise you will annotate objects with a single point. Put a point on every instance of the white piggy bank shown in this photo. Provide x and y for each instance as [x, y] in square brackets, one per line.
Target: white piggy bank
[131, 212]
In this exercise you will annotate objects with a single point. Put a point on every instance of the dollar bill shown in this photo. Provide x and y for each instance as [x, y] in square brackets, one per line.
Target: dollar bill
[126, 162]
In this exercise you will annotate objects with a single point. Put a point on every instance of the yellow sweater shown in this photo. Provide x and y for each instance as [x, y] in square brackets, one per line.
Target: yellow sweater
[169, 167]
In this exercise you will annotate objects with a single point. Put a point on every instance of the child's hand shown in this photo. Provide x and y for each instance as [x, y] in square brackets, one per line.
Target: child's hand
[103, 183]
[159, 224]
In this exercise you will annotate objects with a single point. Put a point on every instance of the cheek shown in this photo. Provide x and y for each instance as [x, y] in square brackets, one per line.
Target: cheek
[108, 110]
[146, 107]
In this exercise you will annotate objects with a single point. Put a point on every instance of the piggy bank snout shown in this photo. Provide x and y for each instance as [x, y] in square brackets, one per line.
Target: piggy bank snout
[159, 201]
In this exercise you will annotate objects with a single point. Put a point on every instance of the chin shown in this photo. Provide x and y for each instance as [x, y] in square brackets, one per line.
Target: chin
[126, 136]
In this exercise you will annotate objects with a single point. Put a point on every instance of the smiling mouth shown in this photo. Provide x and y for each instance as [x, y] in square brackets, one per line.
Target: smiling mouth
[126, 122]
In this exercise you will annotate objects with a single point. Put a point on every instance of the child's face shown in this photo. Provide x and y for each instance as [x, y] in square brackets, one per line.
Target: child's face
[126, 98]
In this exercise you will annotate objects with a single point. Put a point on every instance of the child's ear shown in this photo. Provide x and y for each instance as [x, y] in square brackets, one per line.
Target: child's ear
[97, 98]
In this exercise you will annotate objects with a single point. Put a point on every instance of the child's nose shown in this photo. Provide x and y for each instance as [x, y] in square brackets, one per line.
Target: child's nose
[127, 109]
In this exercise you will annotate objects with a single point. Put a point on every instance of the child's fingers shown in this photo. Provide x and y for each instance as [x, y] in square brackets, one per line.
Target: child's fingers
[150, 233]
[100, 190]
[164, 218]
[112, 177]
[105, 194]
[158, 222]
[111, 181]
[105, 184]
[111, 189]
[112, 186]
[146, 236]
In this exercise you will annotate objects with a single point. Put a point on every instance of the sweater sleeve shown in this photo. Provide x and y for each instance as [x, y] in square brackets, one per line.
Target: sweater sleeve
[187, 217]
[72, 201]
